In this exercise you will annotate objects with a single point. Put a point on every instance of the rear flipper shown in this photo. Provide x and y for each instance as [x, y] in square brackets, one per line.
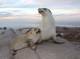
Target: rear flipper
[57, 40]
[13, 52]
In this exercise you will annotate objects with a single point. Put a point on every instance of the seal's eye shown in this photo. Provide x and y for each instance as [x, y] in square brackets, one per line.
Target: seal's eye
[44, 8]
[39, 31]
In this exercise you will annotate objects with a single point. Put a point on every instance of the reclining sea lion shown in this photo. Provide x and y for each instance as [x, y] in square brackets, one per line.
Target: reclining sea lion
[28, 39]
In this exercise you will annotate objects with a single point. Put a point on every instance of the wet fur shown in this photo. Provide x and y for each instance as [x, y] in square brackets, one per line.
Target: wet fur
[28, 39]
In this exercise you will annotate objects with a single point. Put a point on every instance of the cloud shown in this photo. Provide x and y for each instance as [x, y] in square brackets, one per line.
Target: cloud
[40, 3]
[17, 11]
[9, 3]
[59, 3]
[68, 20]
[5, 14]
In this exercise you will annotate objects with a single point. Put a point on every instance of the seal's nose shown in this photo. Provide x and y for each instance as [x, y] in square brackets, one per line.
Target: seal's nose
[40, 11]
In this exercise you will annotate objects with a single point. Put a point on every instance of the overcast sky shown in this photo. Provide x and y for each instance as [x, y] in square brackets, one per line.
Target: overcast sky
[33, 4]
[65, 9]
[40, 3]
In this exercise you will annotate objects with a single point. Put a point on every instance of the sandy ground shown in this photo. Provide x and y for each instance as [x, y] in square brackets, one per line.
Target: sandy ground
[47, 50]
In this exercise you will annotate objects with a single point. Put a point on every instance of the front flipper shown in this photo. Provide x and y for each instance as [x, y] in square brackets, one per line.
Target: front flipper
[57, 40]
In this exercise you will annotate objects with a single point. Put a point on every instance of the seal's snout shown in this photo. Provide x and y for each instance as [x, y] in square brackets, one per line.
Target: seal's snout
[40, 10]
[44, 11]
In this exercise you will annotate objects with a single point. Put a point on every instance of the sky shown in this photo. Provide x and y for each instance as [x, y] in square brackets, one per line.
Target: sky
[65, 12]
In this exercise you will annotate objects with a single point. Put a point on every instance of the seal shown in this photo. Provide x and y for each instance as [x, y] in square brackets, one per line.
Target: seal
[48, 26]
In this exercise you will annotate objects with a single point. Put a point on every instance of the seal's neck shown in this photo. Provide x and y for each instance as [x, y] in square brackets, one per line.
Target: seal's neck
[49, 15]
[48, 20]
